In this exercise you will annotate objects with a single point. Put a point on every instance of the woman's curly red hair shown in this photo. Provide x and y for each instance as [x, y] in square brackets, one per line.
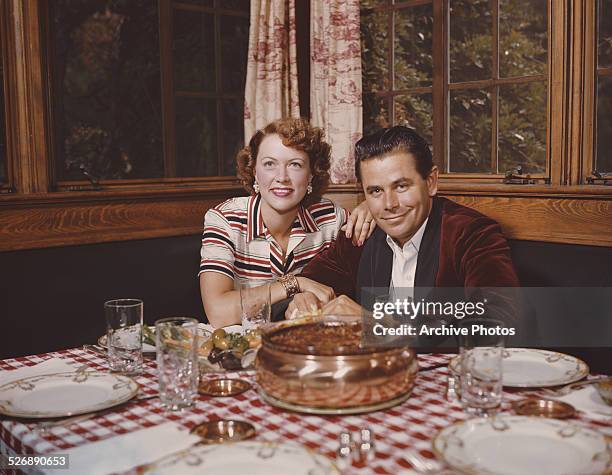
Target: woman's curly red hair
[299, 135]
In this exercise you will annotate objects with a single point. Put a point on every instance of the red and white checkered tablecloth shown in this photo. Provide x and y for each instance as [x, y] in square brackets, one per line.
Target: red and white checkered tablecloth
[408, 426]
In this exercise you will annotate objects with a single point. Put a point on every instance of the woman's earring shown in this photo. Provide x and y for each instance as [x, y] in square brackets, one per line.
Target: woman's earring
[256, 188]
[309, 188]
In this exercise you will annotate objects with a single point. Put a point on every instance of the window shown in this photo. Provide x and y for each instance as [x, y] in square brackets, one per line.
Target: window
[492, 84]
[210, 54]
[603, 161]
[145, 89]
[480, 97]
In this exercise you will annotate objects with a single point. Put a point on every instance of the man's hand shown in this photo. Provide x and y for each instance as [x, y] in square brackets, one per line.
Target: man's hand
[360, 224]
[322, 292]
[342, 305]
[304, 303]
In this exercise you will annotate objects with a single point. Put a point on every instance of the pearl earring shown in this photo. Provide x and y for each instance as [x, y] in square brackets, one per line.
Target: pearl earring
[256, 188]
[309, 188]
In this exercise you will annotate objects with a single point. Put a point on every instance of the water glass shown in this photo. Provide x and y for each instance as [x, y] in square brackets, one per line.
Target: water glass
[481, 350]
[177, 363]
[254, 304]
[124, 335]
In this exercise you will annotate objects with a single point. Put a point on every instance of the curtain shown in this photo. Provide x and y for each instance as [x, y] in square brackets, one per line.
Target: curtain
[271, 90]
[335, 80]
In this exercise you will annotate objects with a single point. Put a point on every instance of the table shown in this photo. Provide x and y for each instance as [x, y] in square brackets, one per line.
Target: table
[409, 426]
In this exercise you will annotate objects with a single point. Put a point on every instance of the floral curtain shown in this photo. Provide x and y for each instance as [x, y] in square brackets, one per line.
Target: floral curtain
[335, 80]
[271, 90]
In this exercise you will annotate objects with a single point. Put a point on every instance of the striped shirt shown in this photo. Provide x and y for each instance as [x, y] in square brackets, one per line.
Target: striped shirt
[237, 243]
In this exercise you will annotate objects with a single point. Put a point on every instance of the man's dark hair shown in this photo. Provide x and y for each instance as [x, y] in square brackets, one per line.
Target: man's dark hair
[394, 139]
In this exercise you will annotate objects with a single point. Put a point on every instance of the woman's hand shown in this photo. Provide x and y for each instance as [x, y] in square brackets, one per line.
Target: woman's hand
[322, 292]
[360, 224]
[304, 303]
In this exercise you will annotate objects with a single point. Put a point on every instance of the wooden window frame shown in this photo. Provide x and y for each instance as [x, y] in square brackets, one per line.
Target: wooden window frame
[36, 216]
[5, 32]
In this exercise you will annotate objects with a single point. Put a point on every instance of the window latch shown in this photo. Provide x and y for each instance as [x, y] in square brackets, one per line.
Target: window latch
[598, 178]
[95, 182]
[516, 177]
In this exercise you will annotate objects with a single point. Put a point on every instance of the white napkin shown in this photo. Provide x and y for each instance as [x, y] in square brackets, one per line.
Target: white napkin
[123, 452]
[587, 399]
[50, 366]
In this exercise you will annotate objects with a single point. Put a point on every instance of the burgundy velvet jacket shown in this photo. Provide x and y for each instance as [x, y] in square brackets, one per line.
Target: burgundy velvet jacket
[460, 248]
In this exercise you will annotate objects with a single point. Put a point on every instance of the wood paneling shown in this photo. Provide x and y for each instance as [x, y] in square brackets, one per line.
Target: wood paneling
[45, 222]
[561, 220]
[80, 218]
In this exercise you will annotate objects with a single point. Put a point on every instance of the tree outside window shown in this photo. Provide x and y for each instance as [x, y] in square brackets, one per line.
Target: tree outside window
[145, 89]
[480, 98]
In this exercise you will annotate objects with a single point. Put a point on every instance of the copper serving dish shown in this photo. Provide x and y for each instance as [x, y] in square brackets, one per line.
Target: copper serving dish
[319, 366]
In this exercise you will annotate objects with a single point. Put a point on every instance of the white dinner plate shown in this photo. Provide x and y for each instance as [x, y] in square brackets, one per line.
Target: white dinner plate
[518, 445]
[530, 368]
[65, 394]
[240, 458]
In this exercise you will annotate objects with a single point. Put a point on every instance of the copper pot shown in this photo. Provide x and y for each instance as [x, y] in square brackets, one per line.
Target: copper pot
[336, 377]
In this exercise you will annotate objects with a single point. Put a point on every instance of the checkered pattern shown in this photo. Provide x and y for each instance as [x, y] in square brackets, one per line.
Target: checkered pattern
[409, 426]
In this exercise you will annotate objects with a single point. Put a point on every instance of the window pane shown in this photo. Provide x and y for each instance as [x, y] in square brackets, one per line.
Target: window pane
[3, 160]
[196, 137]
[470, 131]
[194, 51]
[605, 34]
[413, 47]
[415, 111]
[234, 50]
[603, 161]
[522, 127]
[523, 39]
[232, 136]
[375, 51]
[470, 40]
[375, 113]
[106, 88]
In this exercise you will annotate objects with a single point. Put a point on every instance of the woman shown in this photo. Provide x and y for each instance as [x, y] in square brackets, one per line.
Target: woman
[272, 234]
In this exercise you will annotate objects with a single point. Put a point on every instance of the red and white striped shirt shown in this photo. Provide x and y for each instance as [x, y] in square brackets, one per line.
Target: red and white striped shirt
[237, 243]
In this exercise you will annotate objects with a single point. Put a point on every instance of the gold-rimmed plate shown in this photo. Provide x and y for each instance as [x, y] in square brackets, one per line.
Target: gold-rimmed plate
[65, 394]
[255, 457]
[532, 368]
[516, 445]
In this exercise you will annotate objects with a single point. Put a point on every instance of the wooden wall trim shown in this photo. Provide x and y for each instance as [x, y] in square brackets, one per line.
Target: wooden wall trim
[77, 219]
[25, 76]
[559, 220]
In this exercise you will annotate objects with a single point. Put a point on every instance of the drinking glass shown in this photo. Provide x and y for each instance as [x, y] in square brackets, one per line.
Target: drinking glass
[124, 335]
[254, 304]
[481, 350]
[177, 363]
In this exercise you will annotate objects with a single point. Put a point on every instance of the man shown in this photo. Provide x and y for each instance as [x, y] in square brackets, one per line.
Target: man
[421, 240]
